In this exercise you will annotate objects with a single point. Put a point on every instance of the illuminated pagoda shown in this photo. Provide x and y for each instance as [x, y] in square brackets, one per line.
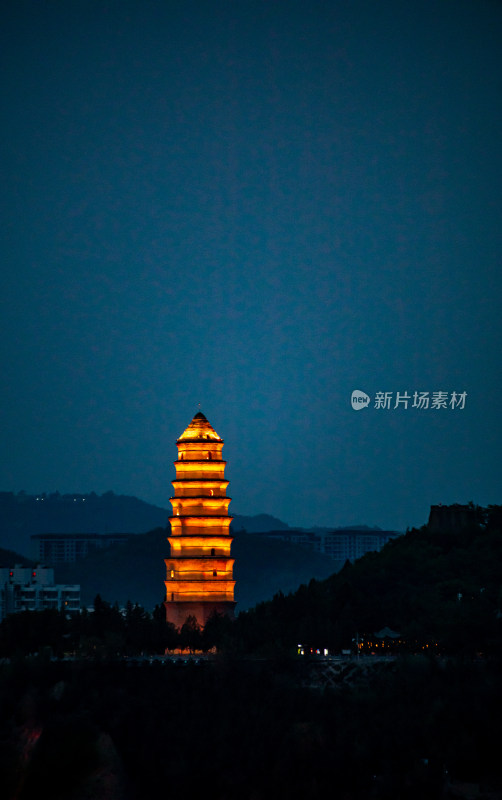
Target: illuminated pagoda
[199, 572]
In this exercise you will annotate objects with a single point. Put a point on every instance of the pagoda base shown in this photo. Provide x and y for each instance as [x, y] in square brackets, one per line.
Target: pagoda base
[178, 611]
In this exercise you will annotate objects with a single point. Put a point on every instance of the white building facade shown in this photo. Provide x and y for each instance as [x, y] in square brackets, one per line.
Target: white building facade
[33, 589]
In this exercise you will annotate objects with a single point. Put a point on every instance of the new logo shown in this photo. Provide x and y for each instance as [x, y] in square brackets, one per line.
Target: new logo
[359, 400]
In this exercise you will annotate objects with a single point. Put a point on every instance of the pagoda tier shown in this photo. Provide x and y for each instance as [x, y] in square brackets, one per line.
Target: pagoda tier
[196, 470]
[188, 506]
[210, 525]
[201, 488]
[199, 572]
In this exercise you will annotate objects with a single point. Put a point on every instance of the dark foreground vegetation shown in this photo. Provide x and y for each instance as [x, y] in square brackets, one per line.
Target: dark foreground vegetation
[409, 729]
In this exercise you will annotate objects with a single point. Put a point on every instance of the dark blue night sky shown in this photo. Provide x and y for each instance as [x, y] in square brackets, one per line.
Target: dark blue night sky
[258, 206]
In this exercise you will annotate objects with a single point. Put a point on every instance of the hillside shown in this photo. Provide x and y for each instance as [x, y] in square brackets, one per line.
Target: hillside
[259, 523]
[135, 570]
[443, 586]
[9, 558]
[22, 515]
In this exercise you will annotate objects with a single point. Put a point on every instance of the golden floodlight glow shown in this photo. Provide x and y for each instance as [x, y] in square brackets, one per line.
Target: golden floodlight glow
[200, 570]
[199, 430]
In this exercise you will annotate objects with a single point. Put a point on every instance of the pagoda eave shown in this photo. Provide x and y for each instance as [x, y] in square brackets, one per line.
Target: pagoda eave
[211, 498]
[200, 518]
[190, 481]
[199, 441]
[211, 540]
[183, 461]
[207, 559]
[196, 586]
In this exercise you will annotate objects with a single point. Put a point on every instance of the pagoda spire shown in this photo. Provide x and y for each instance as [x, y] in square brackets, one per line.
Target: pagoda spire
[199, 577]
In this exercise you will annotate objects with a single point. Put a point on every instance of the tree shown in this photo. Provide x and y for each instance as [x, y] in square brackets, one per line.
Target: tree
[217, 632]
[190, 634]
